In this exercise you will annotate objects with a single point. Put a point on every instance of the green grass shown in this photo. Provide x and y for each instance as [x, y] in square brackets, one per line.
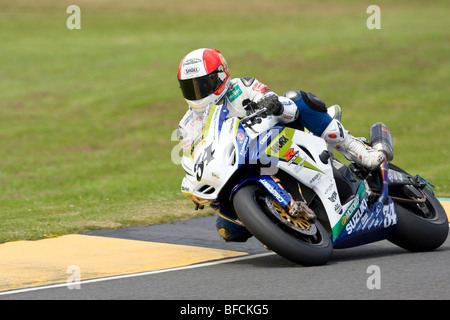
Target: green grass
[86, 115]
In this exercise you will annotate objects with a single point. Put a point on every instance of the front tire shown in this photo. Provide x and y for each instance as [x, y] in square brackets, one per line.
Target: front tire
[251, 208]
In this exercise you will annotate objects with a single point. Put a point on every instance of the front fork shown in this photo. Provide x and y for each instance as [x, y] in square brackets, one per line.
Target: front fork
[282, 196]
[297, 208]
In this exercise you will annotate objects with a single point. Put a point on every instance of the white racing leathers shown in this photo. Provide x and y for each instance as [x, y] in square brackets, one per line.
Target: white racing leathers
[241, 92]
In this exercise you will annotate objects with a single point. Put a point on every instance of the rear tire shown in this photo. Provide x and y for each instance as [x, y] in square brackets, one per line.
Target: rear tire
[420, 227]
[301, 249]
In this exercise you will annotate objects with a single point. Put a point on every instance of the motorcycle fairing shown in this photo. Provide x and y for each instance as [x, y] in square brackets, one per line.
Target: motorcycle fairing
[293, 151]
[361, 224]
[298, 154]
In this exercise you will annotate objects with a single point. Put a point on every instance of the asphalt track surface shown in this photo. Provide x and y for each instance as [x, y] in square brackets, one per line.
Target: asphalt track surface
[191, 262]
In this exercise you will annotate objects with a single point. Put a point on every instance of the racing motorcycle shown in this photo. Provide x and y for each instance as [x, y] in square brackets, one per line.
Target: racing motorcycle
[286, 187]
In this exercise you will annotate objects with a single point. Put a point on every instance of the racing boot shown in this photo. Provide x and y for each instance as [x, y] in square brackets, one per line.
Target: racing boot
[352, 148]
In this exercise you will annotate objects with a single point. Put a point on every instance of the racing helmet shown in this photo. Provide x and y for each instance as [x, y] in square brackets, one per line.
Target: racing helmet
[203, 77]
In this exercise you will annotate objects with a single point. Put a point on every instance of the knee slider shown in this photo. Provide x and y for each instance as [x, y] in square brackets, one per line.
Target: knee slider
[230, 231]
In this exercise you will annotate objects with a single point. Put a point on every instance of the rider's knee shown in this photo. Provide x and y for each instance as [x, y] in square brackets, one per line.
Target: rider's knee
[230, 231]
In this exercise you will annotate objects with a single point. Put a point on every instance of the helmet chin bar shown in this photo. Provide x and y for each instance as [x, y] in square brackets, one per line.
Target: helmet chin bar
[201, 104]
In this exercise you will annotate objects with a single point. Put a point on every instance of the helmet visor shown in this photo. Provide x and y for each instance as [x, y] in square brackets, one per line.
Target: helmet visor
[199, 88]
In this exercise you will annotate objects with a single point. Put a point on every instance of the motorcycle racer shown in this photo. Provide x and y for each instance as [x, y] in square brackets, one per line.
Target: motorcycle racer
[205, 80]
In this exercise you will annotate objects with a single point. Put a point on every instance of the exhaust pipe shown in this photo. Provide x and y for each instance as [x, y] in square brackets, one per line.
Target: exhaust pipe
[381, 140]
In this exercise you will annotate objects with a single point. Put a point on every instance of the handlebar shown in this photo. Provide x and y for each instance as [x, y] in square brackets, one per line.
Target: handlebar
[254, 118]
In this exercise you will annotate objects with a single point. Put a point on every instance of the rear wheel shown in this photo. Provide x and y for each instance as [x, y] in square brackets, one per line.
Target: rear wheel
[303, 242]
[422, 226]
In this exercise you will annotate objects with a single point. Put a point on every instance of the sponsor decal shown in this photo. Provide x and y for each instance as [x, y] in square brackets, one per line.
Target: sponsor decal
[263, 141]
[317, 178]
[333, 196]
[197, 144]
[329, 188]
[291, 155]
[244, 148]
[299, 166]
[234, 93]
[351, 225]
[277, 145]
[191, 70]
[260, 87]
[274, 191]
[191, 61]
[351, 209]
[338, 208]
[232, 125]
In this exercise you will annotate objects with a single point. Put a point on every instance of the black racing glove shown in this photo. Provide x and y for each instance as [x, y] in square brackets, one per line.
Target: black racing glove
[272, 105]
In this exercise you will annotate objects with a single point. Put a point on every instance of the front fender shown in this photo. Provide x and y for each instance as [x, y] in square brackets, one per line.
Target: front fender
[281, 195]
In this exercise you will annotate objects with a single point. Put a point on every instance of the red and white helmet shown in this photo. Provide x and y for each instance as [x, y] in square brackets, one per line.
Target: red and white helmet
[203, 77]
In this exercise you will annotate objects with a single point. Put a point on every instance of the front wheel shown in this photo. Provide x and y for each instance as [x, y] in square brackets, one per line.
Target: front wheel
[299, 241]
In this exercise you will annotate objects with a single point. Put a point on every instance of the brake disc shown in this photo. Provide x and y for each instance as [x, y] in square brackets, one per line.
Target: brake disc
[297, 223]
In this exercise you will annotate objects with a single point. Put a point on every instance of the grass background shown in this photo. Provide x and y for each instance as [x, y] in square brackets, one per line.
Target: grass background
[86, 116]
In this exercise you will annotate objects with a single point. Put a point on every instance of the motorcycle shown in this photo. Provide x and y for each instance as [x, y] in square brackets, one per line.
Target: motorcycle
[285, 186]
